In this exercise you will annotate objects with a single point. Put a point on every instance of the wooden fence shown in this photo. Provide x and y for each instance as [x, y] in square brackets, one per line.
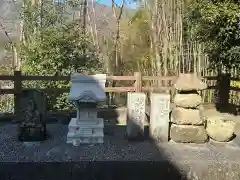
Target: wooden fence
[18, 78]
[166, 81]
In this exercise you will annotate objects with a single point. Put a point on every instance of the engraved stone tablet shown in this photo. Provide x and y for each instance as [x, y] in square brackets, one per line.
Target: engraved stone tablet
[159, 117]
[135, 114]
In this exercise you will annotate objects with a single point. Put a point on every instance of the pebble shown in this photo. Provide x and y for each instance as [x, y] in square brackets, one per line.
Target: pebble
[113, 148]
[56, 148]
[31, 144]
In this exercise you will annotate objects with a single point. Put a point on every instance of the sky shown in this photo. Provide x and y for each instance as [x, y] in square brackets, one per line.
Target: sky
[108, 2]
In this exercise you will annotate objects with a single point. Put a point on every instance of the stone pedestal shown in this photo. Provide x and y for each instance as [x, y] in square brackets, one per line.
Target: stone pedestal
[186, 118]
[85, 131]
[86, 127]
[85, 93]
[188, 133]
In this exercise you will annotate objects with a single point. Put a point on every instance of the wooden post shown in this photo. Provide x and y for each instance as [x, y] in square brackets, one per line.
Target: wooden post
[138, 82]
[222, 91]
[164, 83]
[159, 82]
[17, 91]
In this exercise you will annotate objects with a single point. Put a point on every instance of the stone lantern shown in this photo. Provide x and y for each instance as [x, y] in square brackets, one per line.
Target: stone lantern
[187, 123]
[86, 92]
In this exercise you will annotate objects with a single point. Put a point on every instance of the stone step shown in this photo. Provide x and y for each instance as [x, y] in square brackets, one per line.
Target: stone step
[76, 128]
[86, 123]
[98, 123]
[84, 130]
[96, 134]
[84, 140]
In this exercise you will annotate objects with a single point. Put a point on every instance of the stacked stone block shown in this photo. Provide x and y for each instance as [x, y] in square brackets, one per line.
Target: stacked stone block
[187, 123]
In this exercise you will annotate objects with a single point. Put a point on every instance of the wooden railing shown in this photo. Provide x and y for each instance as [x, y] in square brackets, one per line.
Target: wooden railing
[18, 78]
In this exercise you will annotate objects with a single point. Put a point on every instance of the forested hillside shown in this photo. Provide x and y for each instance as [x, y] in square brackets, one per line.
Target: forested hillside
[10, 15]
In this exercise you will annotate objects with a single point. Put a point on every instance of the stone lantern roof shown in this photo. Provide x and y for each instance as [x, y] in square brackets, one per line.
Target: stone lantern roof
[87, 88]
[189, 82]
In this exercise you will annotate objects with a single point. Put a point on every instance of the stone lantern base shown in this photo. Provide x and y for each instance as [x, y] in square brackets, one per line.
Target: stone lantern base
[85, 131]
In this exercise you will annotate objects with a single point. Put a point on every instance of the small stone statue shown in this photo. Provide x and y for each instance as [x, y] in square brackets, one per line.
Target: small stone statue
[32, 128]
[31, 116]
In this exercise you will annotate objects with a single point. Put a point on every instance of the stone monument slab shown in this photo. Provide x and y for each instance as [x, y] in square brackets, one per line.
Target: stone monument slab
[32, 125]
[136, 103]
[159, 116]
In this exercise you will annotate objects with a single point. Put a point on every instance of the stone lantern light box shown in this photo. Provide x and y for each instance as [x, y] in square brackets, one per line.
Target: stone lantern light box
[86, 92]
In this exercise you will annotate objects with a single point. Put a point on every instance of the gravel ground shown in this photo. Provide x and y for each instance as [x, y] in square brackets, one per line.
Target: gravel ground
[56, 149]
[115, 147]
[215, 161]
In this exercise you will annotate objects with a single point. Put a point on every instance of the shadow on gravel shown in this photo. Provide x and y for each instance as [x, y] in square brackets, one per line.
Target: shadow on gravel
[151, 162]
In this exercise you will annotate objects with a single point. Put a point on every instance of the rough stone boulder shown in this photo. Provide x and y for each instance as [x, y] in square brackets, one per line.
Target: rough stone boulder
[186, 116]
[188, 100]
[189, 82]
[220, 128]
[188, 134]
